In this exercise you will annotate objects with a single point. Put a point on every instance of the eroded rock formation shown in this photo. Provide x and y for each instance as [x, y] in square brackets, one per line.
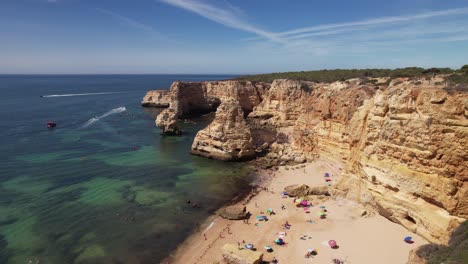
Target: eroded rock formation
[195, 98]
[403, 141]
[228, 137]
[156, 98]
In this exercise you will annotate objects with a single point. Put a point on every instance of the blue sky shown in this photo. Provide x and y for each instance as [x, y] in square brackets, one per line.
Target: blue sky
[229, 36]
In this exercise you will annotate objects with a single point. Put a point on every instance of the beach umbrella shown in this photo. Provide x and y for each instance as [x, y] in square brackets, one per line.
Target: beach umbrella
[322, 207]
[249, 246]
[327, 174]
[332, 243]
[304, 203]
[321, 213]
[268, 248]
[408, 239]
[311, 250]
[279, 241]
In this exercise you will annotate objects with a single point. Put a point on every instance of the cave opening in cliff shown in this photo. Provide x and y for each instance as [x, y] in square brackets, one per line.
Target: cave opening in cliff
[411, 219]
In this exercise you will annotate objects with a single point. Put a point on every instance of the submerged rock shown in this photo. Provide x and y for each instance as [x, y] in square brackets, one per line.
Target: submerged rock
[228, 137]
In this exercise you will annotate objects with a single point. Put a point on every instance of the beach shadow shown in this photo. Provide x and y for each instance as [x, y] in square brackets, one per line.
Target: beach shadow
[455, 252]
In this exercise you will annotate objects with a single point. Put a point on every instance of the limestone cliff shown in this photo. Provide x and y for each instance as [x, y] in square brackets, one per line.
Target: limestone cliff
[228, 137]
[156, 98]
[195, 98]
[404, 147]
[403, 141]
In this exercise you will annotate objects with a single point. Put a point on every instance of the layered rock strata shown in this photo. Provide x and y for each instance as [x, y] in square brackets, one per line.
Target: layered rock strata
[228, 137]
[195, 98]
[156, 98]
[403, 141]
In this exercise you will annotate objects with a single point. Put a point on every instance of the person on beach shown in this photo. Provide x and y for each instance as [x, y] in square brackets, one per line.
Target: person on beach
[283, 207]
[229, 230]
[204, 235]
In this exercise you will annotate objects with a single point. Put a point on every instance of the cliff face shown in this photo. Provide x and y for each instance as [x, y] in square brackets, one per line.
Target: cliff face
[156, 98]
[408, 157]
[194, 98]
[283, 103]
[404, 147]
[403, 143]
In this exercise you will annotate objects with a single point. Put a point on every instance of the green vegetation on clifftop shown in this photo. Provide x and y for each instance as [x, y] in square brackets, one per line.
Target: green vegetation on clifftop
[337, 75]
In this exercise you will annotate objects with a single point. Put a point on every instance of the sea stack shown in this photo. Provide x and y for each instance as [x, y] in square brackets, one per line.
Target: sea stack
[228, 137]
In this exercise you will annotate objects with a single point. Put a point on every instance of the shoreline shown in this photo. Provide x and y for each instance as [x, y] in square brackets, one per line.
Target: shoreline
[262, 178]
[378, 237]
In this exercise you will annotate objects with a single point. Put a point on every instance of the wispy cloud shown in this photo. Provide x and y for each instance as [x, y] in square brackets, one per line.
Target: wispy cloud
[354, 36]
[135, 24]
[226, 17]
[377, 21]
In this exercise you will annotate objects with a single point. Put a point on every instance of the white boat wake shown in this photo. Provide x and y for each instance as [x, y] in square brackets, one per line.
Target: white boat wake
[80, 94]
[97, 118]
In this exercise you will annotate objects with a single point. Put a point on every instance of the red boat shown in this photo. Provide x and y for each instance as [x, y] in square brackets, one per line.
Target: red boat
[51, 124]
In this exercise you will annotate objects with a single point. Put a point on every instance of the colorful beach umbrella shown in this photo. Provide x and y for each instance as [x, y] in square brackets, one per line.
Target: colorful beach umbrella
[327, 174]
[322, 207]
[332, 243]
[408, 239]
[321, 213]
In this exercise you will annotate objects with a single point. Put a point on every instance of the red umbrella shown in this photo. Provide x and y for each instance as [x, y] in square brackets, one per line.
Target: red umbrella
[332, 243]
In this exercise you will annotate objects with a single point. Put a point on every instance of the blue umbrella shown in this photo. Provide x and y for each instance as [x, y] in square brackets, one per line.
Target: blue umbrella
[327, 174]
[408, 239]
[322, 207]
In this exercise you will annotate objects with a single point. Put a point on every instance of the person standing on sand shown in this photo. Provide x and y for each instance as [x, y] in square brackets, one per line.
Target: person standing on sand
[204, 235]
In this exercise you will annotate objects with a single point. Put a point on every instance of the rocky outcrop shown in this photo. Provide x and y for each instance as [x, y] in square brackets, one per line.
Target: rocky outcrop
[167, 122]
[302, 190]
[234, 212]
[228, 137]
[156, 98]
[232, 254]
[196, 98]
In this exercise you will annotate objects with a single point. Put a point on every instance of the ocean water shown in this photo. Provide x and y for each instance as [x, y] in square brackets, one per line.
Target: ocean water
[103, 186]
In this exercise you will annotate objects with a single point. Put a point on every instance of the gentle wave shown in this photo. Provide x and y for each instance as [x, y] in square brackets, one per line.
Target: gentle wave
[97, 118]
[81, 94]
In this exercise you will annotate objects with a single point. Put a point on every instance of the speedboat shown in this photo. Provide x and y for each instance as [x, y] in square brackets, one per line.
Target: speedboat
[51, 124]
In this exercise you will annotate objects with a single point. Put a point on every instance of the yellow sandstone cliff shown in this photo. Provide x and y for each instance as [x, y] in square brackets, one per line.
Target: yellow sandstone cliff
[404, 141]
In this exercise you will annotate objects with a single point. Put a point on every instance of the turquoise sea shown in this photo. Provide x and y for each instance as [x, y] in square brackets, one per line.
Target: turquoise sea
[103, 186]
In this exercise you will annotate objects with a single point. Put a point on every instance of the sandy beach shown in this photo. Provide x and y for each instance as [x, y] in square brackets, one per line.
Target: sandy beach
[361, 239]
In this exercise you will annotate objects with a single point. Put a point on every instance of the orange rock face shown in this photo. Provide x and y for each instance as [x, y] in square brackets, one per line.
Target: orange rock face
[404, 144]
[228, 137]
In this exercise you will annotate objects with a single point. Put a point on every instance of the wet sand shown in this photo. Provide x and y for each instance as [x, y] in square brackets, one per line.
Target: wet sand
[361, 239]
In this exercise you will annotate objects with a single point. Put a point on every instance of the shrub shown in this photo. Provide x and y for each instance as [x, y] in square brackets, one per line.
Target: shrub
[339, 74]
